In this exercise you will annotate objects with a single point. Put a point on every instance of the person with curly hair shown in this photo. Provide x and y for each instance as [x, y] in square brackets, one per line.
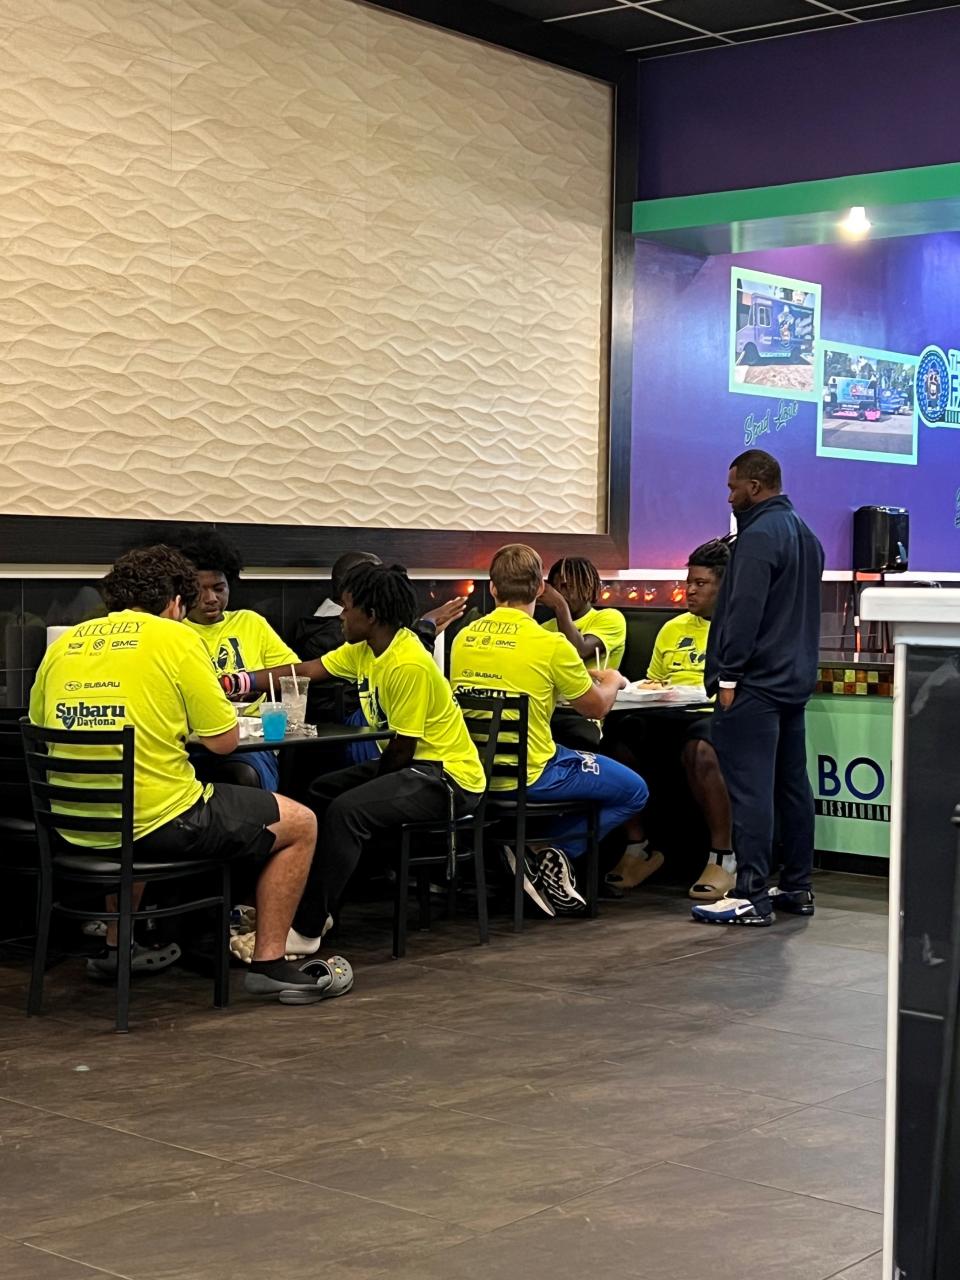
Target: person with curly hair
[139, 666]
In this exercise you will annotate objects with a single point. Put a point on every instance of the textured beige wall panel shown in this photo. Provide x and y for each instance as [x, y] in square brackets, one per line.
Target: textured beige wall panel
[303, 262]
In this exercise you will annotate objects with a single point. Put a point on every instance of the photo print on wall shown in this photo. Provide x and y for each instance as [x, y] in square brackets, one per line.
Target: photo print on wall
[774, 327]
[868, 409]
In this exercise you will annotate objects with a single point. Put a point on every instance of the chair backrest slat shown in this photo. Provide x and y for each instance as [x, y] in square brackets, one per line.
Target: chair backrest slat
[498, 724]
[57, 789]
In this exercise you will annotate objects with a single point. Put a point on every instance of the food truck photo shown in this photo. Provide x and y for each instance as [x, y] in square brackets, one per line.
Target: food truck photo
[773, 324]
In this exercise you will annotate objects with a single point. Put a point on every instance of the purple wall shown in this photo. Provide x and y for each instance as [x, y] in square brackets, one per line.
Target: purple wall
[897, 295]
[881, 95]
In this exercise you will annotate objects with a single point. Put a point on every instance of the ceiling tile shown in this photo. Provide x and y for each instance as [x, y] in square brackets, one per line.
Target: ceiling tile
[557, 8]
[731, 15]
[791, 28]
[680, 46]
[895, 10]
[624, 29]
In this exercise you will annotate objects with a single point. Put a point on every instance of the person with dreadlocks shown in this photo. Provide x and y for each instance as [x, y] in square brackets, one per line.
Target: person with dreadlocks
[429, 764]
[679, 654]
[599, 636]
[322, 632]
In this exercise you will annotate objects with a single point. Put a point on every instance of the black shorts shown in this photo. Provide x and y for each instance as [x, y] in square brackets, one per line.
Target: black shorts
[231, 824]
[701, 730]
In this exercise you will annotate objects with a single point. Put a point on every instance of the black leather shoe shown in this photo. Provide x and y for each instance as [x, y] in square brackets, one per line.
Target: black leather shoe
[796, 902]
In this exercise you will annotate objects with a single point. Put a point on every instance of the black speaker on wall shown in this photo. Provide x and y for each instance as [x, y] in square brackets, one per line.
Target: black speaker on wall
[881, 537]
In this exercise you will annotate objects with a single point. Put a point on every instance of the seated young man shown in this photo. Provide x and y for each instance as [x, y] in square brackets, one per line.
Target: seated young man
[236, 640]
[679, 653]
[156, 675]
[429, 765]
[598, 635]
[527, 658]
[323, 632]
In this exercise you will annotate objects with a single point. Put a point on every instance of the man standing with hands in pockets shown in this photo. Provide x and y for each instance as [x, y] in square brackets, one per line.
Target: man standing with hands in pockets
[762, 657]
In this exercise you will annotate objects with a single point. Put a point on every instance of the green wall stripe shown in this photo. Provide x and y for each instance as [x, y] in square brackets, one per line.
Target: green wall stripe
[896, 186]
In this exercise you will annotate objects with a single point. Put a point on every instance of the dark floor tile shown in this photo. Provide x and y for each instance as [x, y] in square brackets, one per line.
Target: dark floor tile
[866, 894]
[263, 1117]
[868, 1100]
[463, 1169]
[576, 1025]
[854, 929]
[775, 1063]
[650, 1118]
[261, 1225]
[59, 1173]
[803, 958]
[670, 1223]
[431, 1065]
[105, 1077]
[869, 1269]
[830, 1013]
[24, 1262]
[827, 1154]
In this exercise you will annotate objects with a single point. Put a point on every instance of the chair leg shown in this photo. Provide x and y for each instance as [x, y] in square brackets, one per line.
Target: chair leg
[221, 980]
[480, 876]
[124, 955]
[519, 854]
[423, 901]
[400, 901]
[42, 945]
[452, 895]
[593, 864]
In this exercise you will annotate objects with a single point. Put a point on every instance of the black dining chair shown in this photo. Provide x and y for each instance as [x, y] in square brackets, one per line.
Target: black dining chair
[58, 781]
[510, 806]
[462, 842]
[18, 833]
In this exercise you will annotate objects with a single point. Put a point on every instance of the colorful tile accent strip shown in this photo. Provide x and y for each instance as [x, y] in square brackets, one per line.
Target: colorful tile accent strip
[857, 682]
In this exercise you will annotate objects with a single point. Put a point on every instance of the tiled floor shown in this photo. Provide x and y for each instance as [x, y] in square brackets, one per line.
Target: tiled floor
[636, 1097]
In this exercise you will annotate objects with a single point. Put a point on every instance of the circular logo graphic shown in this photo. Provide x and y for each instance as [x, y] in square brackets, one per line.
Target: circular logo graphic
[72, 686]
[933, 386]
[98, 644]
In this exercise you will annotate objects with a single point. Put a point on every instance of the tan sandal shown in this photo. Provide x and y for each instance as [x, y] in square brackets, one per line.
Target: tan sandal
[631, 871]
[713, 883]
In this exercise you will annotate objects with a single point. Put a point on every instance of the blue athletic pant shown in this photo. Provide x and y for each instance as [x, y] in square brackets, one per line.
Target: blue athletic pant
[581, 775]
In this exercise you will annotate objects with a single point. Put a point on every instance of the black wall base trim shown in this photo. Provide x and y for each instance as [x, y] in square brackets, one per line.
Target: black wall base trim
[75, 540]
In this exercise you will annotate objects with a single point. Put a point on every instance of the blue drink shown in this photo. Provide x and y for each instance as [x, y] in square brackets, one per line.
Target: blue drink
[274, 721]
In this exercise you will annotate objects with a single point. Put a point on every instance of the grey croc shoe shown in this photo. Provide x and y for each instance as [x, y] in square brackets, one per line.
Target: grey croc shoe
[339, 972]
[142, 960]
[307, 990]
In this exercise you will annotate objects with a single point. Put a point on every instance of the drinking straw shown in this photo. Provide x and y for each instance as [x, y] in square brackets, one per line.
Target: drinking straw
[296, 687]
[273, 696]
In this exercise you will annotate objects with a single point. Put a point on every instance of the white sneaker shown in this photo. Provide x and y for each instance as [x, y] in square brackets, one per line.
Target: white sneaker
[558, 881]
[731, 911]
[532, 886]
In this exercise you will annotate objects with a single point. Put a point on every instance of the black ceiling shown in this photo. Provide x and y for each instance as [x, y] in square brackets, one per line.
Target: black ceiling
[661, 28]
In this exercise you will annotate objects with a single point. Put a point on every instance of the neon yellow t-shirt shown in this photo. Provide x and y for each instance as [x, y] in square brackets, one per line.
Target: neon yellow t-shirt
[404, 690]
[153, 673]
[680, 651]
[243, 641]
[610, 627]
[507, 650]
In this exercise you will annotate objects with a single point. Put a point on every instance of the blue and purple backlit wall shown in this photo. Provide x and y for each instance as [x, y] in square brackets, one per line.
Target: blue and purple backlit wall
[895, 295]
